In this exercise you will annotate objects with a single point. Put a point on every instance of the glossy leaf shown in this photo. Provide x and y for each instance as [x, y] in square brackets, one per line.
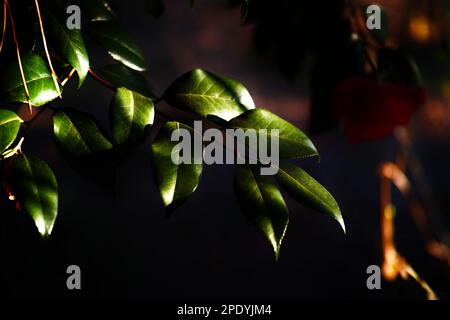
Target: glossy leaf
[78, 134]
[38, 78]
[97, 10]
[262, 203]
[118, 43]
[9, 128]
[36, 190]
[307, 191]
[205, 93]
[130, 114]
[121, 76]
[176, 182]
[70, 46]
[293, 143]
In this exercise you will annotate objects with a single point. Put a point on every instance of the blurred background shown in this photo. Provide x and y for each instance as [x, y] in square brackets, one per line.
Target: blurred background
[291, 56]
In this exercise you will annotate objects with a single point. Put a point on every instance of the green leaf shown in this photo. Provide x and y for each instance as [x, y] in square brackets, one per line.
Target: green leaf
[38, 78]
[70, 46]
[307, 191]
[118, 43]
[78, 134]
[205, 93]
[36, 189]
[121, 76]
[293, 143]
[97, 10]
[130, 114]
[176, 182]
[9, 128]
[155, 7]
[263, 204]
[192, 3]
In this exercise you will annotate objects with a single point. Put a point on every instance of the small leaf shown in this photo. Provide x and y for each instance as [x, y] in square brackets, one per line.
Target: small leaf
[263, 203]
[36, 189]
[155, 7]
[176, 182]
[9, 128]
[205, 93]
[118, 43]
[307, 191]
[293, 143]
[38, 78]
[70, 46]
[78, 134]
[121, 76]
[130, 114]
[97, 10]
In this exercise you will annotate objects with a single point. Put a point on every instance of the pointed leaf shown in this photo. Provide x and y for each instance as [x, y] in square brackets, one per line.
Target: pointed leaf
[205, 93]
[176, 182]
[9, 128]
[38, 78]
[118, 43]
[293, 143]
[97, 10]
[121, 76]
[263, 203]
[78, 134]
[70, 46]
[307, 191]
[130, 114]
[36, 190]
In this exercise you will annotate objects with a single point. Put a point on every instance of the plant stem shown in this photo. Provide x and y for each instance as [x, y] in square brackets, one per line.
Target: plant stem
[4, 25]
[19, 59]
[44, 41]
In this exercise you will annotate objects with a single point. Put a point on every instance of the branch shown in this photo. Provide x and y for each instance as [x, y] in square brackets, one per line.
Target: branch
[19, 59]
[41, 25]
[4, 25]
[394, 264]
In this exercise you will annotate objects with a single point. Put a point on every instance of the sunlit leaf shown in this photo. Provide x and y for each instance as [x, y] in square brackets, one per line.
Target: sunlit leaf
[176, 182]
[38, 78]
[118, 43]
[307, 191]
[205, 93]
[130, 114]
[9, 128]
[35, 187]
[70, 46]
[293, 143]
[262, 203]
[121, 76]
[77, 133]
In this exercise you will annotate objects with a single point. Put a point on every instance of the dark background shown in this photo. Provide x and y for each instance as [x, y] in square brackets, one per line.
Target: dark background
[207, 249]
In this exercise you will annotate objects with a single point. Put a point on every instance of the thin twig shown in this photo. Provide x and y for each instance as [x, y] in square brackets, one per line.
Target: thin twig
[394, 264]
[102, 81]
[19, 59]
[63, 83]
[4, 25]
[41, 24]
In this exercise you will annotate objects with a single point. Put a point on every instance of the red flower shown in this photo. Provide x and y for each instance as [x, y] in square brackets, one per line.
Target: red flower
[371, 110]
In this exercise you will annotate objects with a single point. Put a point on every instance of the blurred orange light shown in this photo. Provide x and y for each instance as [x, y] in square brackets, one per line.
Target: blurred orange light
[420, 29]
